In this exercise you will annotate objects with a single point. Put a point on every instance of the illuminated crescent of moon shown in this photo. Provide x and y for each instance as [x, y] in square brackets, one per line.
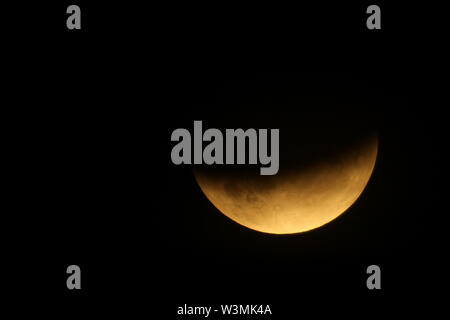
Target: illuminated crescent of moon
[296, 202]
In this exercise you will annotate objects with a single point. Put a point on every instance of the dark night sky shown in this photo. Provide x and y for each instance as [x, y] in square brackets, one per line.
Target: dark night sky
[94, 185]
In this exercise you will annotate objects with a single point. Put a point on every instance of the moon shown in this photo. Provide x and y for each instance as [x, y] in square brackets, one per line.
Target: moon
[294, 201]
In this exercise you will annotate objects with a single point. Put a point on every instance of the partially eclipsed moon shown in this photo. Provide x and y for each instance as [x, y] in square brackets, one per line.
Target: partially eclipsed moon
[294, 201]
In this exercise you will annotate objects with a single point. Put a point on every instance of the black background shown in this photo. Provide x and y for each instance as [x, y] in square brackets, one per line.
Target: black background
[93, 184]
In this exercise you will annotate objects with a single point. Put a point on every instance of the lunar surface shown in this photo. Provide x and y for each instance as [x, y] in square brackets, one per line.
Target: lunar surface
[297, 200]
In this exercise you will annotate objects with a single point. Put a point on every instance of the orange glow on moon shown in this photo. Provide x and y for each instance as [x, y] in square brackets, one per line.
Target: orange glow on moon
[296, 201]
